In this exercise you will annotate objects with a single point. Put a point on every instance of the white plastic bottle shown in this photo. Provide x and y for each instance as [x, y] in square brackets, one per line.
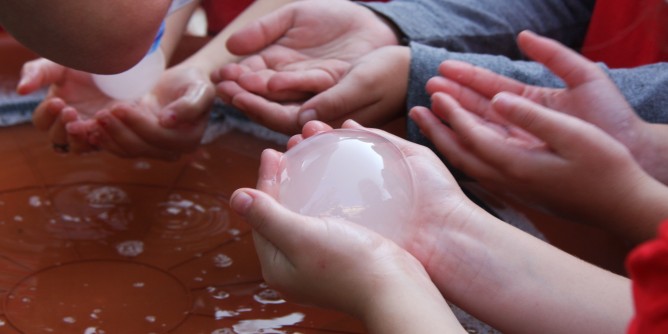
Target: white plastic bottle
[138, 80]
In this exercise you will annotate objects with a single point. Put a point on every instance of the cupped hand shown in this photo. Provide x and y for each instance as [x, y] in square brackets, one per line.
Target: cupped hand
[165, 123]
[367, 92]
[72, 97]
[301, 50]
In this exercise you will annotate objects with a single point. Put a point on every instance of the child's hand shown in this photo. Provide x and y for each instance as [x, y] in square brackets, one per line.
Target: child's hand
[339, 264]
[298, 57]
[165, 123]
[72, 97]
[589, 95]
[578, 171]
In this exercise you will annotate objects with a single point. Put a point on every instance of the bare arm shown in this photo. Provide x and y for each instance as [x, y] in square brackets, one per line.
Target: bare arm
[215, 53]
[106, 36]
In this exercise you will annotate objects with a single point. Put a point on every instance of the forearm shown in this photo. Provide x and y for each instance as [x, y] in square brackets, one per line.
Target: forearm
[175, 27]
[408, 305]
[487, 26]
[487, 265]
[100, 36]
[215, 53]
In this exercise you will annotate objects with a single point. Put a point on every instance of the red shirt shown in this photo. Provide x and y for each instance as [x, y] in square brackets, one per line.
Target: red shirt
[648, 267]
[221, 12]
[628, 33]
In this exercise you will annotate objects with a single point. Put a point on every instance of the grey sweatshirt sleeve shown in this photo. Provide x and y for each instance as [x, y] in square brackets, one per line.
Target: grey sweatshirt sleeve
[644, 87]
[487, 26]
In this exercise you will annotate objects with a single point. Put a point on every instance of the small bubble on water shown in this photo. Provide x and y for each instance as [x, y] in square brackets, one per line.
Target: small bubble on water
[222, 261]
[269, 296]
[217, 294]
[69, 320]
[142, 165]
[35, 201]
[150, 318]
[130, 248]
[138, 285]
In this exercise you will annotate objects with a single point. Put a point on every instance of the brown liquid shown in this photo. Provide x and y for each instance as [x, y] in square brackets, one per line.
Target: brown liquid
[99, 244]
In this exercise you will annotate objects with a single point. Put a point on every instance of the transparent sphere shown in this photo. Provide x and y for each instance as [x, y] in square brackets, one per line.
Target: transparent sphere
[352, 174]
[135, 82]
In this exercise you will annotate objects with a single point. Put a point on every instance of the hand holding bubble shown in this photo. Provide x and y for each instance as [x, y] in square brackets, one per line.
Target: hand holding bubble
[352, 174]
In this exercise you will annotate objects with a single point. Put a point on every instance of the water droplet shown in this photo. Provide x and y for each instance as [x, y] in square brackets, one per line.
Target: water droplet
[150, 318]
[269, 296]
[35, 201]
[142, 165]
[107, 196]
[267, 325]
[138, 285]
[217, 294]
[130, 248]
[222, 261]
[69, 320]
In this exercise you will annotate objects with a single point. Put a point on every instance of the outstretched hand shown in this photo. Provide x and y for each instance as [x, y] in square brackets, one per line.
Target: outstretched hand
[294, 53]
[589, 94]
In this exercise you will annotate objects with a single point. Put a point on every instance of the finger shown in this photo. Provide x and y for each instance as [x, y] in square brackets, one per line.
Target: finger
[258, 83]
[276, 116]
[261, 33]
[335, 102]
[230, 71]
[468, 98]
[449, 145]
[268, 171]
[190, 107]
[313, 80]
[480, 80]
[47, 113]
[286, 230]
[124, 142]
[560, 131]
[572, 67]
[309, 129]
[38, 73]
[133, 122]
[58, 132]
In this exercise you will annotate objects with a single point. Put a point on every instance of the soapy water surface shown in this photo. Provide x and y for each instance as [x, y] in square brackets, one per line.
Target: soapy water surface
[352, 174]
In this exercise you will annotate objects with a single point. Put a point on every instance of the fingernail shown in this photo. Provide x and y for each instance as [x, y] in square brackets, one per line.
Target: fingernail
[241, 202]
[168, 119]
[351, 123]
[306, 116]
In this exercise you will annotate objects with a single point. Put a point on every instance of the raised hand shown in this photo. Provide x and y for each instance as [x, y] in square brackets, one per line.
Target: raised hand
[589, 95]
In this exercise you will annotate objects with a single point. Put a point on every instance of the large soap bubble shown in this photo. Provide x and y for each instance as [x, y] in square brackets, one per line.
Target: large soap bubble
[135, 82]
[352, 174]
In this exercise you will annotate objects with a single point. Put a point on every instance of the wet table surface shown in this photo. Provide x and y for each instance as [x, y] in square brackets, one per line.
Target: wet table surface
[95, 243]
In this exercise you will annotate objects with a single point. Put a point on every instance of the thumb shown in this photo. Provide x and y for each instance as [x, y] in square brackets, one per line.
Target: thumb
[38, 73]
[268, 218]
[261, 33]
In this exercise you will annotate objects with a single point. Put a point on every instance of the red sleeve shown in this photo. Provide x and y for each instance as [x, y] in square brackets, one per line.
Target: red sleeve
[648, 267]
[627, 33]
